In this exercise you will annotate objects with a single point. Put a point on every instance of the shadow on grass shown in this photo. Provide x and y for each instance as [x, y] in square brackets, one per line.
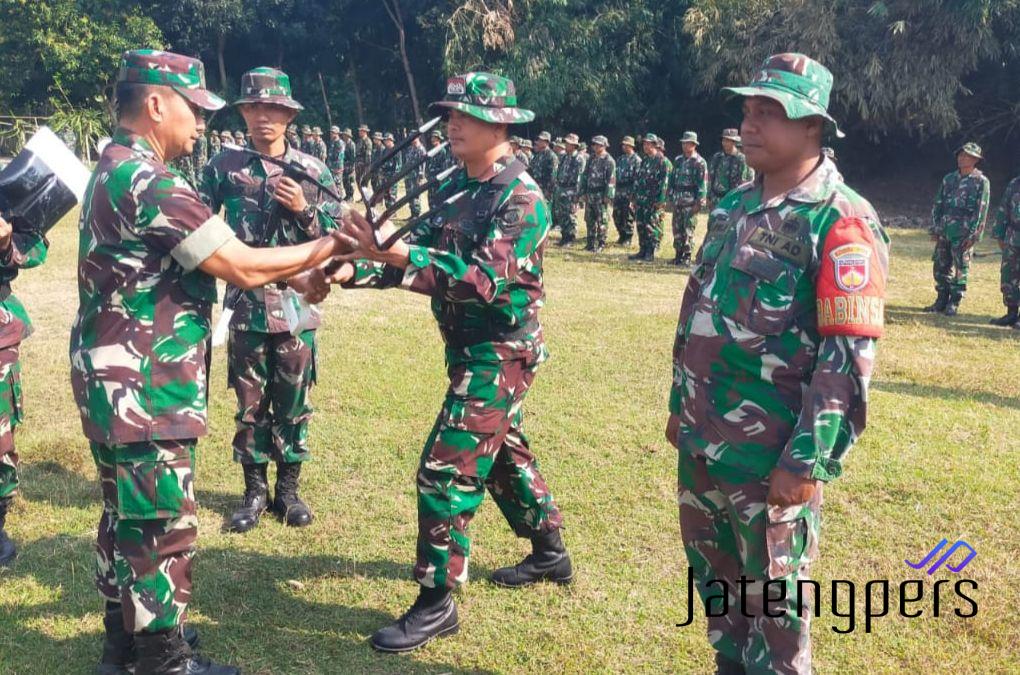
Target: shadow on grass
[945, 393]
[55, 484]
[964, 324]
[250, 614]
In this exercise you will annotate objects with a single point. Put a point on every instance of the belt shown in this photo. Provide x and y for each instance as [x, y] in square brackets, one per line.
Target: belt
[461, 339]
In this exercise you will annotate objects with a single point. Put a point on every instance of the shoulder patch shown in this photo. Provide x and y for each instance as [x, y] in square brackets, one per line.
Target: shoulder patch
[850, 290]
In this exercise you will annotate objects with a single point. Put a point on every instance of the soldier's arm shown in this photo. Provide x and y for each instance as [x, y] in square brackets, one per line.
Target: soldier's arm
[937, 208]
[835, 406]
[327, 210]
[978, 227]
[660, 198]
[24, 250]
[1003, 213]
[611, 183]
[207, 185]
[702, 184]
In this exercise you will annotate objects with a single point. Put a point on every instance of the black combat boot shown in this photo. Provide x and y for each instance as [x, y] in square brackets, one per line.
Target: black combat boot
[548, 560]
[953, 306]
[8, 551]
[432, 615]
[567, 240]
[724, 665]
[589, 244]
[256, 498]
[624, 240]
[639, 255]
[940, 303]
[1010, 318]
[167, 653]
[649, 255]
[287, 504]
[119, 646]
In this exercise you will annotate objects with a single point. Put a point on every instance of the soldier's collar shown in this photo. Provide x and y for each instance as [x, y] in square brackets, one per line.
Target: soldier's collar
[138, 144]
[817, 187]
[497, 168]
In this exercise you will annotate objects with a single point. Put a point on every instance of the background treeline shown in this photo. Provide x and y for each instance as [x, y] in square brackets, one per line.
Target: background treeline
[914, 77]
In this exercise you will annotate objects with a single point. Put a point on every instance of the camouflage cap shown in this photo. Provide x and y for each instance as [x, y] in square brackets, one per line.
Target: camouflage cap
[661, 142]
[334, 129]
[650, 138]
[571, 139]
[436, 133]
[267, 85]
[516, 140]
[731, 134]
[363, 127]
[628, 140]
[526, 143]
[972, 149]
[388, 137]
[238, 134]
[798, 83]
[559, 144]
[183, 74]
[690, 137]
[316, 131]
[292, 128]
[306, 130]
[225, 134]
[488, 97]
[377, 136]
[545, 136]
[600, 140]
[346, 132]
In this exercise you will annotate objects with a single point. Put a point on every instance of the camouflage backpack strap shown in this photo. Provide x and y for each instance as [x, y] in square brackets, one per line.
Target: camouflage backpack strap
[490, 199]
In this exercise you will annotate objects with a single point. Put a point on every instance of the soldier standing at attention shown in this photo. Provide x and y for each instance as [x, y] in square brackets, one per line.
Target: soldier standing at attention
[18, 251]
[568, 185]
[1007, 233]
[544, 165]
[728, 168]
[200, 155]
[292, 136]
[435, 165]
[687, 191]
[414, 153]
[389, 170]
[335, 159]
[377, 150]
[650, 191]
[214, 143]
[150, 254]
[350, 155]
[319, 147]
[481, 264]
[598, 187]
[270, 370]
[307, 140]
[363, 156]
[957, 222]
[226, 138]
[774, 350]
[529, 151]
[627, 166]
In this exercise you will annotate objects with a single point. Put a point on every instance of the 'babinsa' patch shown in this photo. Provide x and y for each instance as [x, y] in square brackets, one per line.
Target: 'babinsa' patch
[851, 266]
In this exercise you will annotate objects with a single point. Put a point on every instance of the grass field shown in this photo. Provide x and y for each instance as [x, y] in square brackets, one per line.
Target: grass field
[939, 459]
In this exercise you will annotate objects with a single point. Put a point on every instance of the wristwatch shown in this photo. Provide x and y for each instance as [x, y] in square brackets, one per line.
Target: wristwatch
[308, 214]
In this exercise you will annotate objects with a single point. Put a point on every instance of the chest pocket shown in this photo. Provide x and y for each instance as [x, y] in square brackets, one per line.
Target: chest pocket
[770, 306]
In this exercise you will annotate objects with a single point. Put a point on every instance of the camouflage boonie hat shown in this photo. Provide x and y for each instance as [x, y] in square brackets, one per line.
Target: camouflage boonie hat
[731, 134]
[690, 137]
[600, 140]
[388, 137]
[582, 146]
[377, 136]
[488, 97]
[661, 142]
[267, 85]
[515, 140]
[526, 143]
[334, 129]
[346, 132]
[226, 134]
[183, 74]
[306, 130]
[238, 134]
[316, 131]
[651, 138]
[559, 144]
[799, 83]
[291, 128]
[572, 139]
[363, 127]
[972, 149]
[436, 133]
[628, 140]
[545, 136]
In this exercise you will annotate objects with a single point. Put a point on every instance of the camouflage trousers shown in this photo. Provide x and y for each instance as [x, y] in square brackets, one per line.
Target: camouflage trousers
[1009, 276]
[729, 531]
[348, 181]
[390, 198]
[596, 220]
[564, 210]
[951, 265]
[415, 205]
[623, 216]
[271, 375]
[148, 529]
[478, 443]
[10, 418]
[683, 229]
[649, 225]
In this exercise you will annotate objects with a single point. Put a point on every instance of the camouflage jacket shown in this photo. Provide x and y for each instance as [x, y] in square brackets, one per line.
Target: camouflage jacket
[200, 153]
[652, 181]
[24, 252]
[392, 166]
[320, 150]
[523, 158]
[335, 157]
[414, 153]
[439, 163]
[138, 343]
[726, 172]
[599, 179]
[776, 340]
[1007, 218]
[484, 275]
[350, 150]
[568, 176]
[961, 207]
[363, 151]
[308, 147]
[214, 145]
[627, 167]
[543, 168]
[689, 183]
[238, 183]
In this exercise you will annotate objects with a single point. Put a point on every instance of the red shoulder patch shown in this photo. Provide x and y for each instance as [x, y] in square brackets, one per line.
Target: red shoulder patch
[850, 292]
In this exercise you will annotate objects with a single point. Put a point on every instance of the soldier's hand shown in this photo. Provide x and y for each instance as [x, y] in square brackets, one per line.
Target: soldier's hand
[359, 234]
[787, 489]
[311, 284]
[342, 275]
[673, 430]
[290, 194]
[5, 234]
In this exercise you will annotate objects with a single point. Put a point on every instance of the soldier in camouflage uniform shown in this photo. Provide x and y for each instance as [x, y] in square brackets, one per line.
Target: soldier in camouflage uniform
[363, 153]
[389, 170]
[627, 166]
[149, 256]
[598, 188]
[214, 143]
[728, 168]
[292, 136]
[320, 150]
[481, 264]
[687, 192]
[270, 370]
[307, 140]
[436, 164]
[1007, 233]
[529, 151]
[350, 151]
[958, 220]
[544, 165]
[18, 250]
[517, 147]
[414, 153]
[649, 198]
[774, 351]
[335, 159]
[567, 194]
[226, 138]
[377, 152]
